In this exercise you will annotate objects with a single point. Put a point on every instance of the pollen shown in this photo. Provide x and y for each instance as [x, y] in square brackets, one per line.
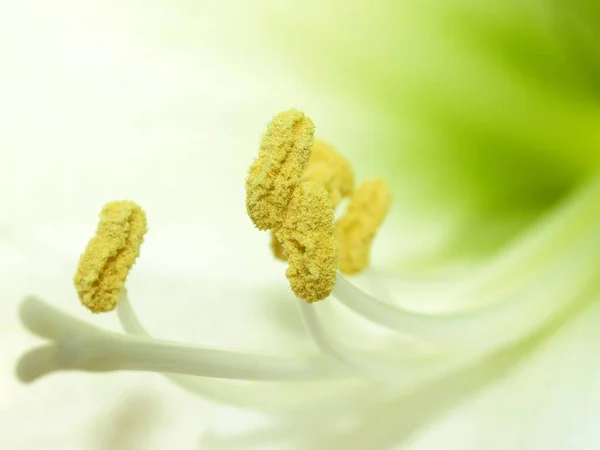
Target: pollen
[308, 238]
[109, 255]
[272, 178]
[329, 168]
[356, 230]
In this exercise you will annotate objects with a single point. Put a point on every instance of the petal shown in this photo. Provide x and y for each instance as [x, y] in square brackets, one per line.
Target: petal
[548, 401]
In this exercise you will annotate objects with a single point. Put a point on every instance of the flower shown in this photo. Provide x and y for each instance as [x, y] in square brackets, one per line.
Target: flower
[495, 192]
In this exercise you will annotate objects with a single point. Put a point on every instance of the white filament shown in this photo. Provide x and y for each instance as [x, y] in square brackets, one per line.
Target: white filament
[557, 280]
[405, 371]
[79, 346]
[330, 394]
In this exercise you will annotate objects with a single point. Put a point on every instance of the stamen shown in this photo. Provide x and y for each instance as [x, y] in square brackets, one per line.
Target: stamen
[555, 283]
[357, 228]
[308, 238]
[109, 255]
[273, 176]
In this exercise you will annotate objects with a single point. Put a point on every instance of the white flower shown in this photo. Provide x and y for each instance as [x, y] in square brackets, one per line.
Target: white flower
[499, 202]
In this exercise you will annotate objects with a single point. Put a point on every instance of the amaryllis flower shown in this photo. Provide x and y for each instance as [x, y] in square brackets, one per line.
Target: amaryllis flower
[473, 325]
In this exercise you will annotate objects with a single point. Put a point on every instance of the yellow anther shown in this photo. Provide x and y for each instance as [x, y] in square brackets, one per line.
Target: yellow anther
[356, 229]
[109, 255]
[273, 176]
[330, 169]
[327, 167]
[307, 236]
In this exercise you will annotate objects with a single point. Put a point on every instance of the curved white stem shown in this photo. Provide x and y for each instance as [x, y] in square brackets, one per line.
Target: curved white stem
[403, 371]
[559, 279]
[79, 346]
[278, 396]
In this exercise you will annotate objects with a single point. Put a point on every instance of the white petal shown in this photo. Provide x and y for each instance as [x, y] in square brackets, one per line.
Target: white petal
[549, 401]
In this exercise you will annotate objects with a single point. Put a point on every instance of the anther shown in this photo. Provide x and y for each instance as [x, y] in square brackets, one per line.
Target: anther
[109, 255]
[329, 168]
[273, 176]
[307, 236]
[356, 230]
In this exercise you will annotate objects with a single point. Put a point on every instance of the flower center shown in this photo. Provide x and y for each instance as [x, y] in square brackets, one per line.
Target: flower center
[528, 286]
